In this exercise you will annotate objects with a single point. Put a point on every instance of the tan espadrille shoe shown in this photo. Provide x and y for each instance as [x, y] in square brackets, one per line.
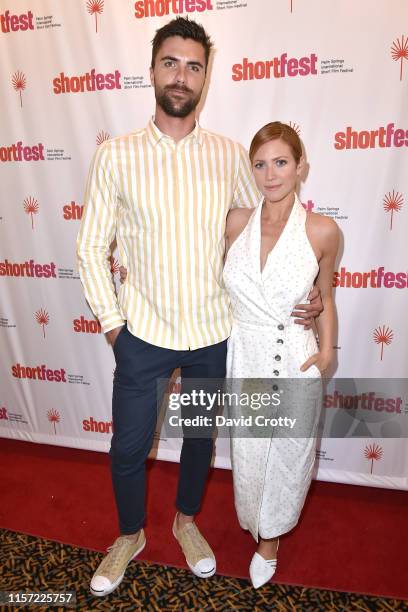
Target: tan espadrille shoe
[199, 556]
[112, 569]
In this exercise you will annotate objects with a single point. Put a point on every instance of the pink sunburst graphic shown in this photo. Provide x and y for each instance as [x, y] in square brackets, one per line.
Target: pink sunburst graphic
[399, 51]
[384, 336]
[373, 452]
[31, 207]
[54, 417]
[102, 137]
[393, 203]
[43, 318]
[295, 127]
[19, 82]
[114, 265]
[95, 7]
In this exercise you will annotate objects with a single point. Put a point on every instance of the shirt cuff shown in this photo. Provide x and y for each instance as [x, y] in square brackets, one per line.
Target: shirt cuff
[111, 321]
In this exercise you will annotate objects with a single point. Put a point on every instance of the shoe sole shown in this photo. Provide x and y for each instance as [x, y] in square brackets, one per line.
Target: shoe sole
[119, 580]
[195, 572]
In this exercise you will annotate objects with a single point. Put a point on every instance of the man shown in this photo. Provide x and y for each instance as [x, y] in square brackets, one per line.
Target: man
[164, 192]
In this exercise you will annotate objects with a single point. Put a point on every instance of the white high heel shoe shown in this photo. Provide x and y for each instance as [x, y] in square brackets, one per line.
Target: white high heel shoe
[261, 570]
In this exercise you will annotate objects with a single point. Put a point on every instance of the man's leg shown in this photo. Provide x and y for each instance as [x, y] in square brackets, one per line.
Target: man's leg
[196, 453]
[134, 411]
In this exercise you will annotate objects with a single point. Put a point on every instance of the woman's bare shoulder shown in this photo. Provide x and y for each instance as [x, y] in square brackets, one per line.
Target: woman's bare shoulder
[323, 232]
[326, 226]
[237, 219]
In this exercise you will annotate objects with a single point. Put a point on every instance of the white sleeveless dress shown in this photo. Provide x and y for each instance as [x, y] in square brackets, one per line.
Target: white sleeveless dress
[272, 475]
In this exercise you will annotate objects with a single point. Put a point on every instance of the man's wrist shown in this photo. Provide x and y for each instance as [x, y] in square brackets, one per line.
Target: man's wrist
[112, 334]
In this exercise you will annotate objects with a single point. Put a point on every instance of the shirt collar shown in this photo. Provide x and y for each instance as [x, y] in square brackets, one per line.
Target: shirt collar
[155, 135]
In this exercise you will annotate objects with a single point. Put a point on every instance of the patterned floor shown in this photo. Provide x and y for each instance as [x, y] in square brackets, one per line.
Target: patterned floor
[33, 564]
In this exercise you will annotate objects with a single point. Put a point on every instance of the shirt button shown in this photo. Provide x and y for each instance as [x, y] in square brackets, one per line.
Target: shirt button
[275, 387]
[278, 357]
[279, 341]
[281, 327]
[276, 372]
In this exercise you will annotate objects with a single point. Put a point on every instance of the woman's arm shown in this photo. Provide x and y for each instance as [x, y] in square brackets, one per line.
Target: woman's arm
[237, 219]
[324, 236]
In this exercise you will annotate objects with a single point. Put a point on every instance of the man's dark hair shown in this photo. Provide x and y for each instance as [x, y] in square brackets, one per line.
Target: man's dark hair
[185, 28]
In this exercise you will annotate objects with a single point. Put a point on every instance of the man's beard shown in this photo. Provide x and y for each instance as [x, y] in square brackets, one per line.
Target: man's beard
[174, 108]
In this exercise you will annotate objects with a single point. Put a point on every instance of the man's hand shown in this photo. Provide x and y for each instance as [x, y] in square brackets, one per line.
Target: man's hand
[113, 334]
[307, 312]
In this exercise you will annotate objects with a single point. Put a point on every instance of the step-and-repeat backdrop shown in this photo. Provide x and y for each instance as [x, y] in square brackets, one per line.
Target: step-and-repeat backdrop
[76, 73]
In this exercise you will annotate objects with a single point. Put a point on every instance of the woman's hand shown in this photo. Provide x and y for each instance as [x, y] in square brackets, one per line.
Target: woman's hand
[122, 274]
[321, 360]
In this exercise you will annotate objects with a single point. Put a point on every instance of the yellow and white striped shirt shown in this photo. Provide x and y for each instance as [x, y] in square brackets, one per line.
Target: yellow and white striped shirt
[166, 203]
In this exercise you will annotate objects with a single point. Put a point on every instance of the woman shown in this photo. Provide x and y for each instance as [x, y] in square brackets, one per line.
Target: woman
[275, 253]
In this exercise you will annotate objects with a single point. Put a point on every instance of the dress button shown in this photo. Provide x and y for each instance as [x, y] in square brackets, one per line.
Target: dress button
[275, 387]
[278, 357]
[281, 327]
[276, 372]
[279, 341]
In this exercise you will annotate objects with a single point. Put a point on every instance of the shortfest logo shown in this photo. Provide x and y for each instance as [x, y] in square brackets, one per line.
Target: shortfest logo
[90, 81]
[86, 326]
[364, 401]
[383, 137]
[91, 424]
[10, 22]
[19, 152]
[40, 372]
[16, 23]
[159, 8]
[43, 373]
[377, 278]
[308, 206]
[3, 414]
[72, 212]
[28, 269]
[276, 68]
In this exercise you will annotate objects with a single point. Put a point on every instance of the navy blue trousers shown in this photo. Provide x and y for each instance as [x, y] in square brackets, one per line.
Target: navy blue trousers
[134, 410]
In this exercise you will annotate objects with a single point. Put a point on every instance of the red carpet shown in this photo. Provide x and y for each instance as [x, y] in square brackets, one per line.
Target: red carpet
[350, 538]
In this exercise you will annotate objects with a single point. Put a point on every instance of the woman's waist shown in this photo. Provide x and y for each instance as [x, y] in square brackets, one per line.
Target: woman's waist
[284, 327]
[256, 324]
